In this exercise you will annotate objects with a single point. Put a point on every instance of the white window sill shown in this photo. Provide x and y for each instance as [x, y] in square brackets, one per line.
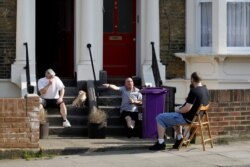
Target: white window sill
[219, 57]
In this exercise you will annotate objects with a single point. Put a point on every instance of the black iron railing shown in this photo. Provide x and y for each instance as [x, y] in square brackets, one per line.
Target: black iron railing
[155, 68]
[30, 88]
[93, 70]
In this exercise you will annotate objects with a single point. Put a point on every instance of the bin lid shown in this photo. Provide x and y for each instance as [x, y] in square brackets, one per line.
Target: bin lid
[154, 90]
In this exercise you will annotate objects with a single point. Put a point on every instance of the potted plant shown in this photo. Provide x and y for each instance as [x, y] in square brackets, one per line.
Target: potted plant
[97, 123]
[44, 124]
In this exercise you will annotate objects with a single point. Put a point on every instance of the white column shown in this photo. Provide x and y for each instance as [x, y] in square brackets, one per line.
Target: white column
[220, 26]
[25, 32]
[89, 29]
[191, 29]
[151, 33]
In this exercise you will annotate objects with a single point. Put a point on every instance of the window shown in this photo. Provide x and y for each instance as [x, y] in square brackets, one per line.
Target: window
[238, 24]
[206, 24]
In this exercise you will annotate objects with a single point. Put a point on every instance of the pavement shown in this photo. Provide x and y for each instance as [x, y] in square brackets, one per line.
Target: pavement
[121, 152]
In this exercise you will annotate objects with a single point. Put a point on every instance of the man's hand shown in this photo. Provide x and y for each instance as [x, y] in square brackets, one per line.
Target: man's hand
[45, 89]
[60, 100]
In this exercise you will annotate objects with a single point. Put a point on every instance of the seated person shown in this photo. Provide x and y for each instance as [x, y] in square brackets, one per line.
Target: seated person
[52, 91]
[131, 97]
[197, 96]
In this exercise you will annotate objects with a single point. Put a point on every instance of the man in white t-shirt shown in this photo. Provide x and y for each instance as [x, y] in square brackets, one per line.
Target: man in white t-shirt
[52, 91]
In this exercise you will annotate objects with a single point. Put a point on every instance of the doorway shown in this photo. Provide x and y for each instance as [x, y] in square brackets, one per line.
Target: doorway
[55, 37]
[119, 45]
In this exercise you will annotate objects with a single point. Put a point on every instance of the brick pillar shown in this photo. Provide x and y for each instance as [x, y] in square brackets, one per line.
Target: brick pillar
[19, 123]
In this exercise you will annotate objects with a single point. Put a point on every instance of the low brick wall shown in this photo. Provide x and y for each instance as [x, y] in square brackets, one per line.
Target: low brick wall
[19, 124]
[230, 113]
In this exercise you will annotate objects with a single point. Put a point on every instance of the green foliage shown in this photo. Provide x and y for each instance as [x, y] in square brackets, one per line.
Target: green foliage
[27, 155]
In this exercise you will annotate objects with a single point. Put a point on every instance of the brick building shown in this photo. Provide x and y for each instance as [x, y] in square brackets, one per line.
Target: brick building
[189, 35]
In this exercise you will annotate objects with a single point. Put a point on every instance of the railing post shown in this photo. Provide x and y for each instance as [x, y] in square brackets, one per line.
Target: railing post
[93, 69]
[155, 68]
[30, 88]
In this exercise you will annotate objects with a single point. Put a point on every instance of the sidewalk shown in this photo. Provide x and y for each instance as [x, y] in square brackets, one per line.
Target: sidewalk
[76, 146]
[70, 146]
[113, 152]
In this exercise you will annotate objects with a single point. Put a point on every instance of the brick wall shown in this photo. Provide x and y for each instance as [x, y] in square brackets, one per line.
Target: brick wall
[7, 36]
[172, 36]
[19, 124]
[230, 113]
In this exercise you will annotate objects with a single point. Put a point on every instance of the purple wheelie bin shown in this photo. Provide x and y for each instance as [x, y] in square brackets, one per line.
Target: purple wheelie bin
[153, 103]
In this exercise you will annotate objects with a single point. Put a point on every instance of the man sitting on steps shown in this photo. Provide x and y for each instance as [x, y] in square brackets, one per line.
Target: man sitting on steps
[131, 97]
[52, 91]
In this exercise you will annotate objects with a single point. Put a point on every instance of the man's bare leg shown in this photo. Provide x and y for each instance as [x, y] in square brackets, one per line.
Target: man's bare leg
[130, 122]
[161, 131]
[63, 111]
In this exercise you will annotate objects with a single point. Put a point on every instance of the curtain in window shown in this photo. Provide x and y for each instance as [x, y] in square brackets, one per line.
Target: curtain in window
[248, 24]
[238, 24]
[206, 24]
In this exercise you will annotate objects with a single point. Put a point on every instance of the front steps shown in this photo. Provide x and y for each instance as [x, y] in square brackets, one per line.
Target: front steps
[108, 100]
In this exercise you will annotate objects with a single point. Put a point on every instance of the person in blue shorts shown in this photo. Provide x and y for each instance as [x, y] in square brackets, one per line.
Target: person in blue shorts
[197, 95]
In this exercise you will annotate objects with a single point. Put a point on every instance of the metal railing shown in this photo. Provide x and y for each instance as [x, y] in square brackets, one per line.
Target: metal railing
[93, 70]
[155, 68]
[30, 88]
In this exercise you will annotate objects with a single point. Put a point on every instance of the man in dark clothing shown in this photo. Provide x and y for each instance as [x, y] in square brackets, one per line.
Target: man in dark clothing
[197, 96]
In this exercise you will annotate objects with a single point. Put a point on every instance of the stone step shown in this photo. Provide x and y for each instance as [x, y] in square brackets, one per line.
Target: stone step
[71, 110]
[71, 91]
[56, 120]
[109, 100]
[69, 82]
[76, 131]
[72, 131]
[111, 110]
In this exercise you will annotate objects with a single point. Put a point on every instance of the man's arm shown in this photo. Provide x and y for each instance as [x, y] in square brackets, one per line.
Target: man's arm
[186, 108]
[61, 95]
[45, 89]
[114, 87]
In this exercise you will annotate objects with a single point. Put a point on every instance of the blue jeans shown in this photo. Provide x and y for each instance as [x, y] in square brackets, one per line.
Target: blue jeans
[170, 119]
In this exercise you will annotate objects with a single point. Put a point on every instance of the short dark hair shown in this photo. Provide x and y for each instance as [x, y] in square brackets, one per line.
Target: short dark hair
[195, 76]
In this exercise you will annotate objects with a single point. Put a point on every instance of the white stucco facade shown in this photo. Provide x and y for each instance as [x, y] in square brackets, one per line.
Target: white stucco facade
[221, 67]
[88, 29]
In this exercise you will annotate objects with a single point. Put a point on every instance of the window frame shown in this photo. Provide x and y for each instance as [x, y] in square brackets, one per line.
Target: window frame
[237, 49]
[203, 49]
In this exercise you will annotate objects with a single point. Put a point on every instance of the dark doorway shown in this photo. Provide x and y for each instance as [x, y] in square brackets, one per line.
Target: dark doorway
[55, 37]
[119, 37]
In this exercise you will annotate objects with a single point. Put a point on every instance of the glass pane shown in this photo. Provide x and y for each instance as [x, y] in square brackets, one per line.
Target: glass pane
[235, 24]
[125, 15]
[108, 15]
[206, 24]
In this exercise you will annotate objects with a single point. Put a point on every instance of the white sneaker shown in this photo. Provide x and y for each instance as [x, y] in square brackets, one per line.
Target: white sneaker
[66, 124]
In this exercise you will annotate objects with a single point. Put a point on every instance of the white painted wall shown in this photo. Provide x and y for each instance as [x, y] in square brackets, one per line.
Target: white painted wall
[25, 33]
[89, 29]
[9, 89]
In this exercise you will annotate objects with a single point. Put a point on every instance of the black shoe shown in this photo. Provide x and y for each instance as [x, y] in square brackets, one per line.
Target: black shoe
[158, 146]
[177, 143]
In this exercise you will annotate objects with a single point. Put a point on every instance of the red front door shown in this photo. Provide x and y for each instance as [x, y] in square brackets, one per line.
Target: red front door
[119, 37]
